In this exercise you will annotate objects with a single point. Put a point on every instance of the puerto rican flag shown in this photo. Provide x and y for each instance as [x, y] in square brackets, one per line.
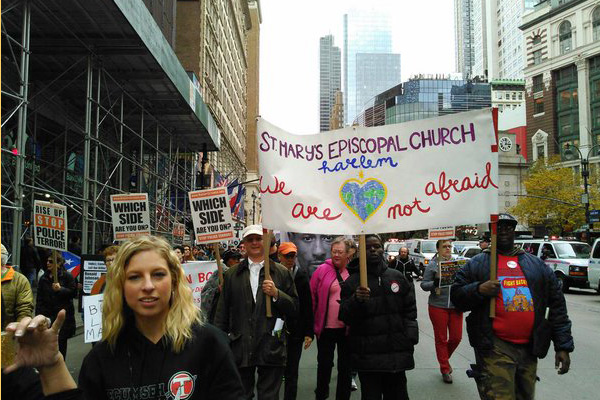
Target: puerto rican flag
[72, 263]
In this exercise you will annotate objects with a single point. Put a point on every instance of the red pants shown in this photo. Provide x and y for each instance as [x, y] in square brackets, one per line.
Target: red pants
[447, 329]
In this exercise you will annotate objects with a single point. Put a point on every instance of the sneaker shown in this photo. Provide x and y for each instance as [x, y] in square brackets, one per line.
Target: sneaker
[353, 386]
[447, 378]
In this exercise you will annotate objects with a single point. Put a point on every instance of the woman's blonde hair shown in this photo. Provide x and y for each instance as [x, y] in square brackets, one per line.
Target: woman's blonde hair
[183, 313]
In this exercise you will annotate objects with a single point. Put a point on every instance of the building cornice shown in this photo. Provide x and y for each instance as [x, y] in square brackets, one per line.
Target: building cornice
[553, 12]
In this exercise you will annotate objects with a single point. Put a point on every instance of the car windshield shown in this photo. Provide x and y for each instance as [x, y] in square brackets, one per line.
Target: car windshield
[572, 250]
[395, 247]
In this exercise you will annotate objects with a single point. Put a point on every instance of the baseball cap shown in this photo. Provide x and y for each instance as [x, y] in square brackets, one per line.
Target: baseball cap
[287, 247]
[507, 219]
[252, 230]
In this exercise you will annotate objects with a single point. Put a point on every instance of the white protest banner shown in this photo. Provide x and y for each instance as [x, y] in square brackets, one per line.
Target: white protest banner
[50, 225]
[211, 215]
[130, 215]
[445, 232]
[197, 274]
[178, 233]
[92, 318]
[433, 172]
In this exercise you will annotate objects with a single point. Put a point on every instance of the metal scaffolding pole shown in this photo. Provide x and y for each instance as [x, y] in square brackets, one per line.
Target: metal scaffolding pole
[96, 164]
[21, 133]
[86, 158]
[141, 158]
[121, 143]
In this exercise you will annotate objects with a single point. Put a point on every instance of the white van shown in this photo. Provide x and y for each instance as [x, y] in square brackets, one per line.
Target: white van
[421, 251]
[594, 267]
[568, 259]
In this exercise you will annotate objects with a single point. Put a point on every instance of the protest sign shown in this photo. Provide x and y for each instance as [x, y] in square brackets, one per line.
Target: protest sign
[445, 232]
[130, 215]
[93, 269]
[92, 318]
[448, 269]
[211, 215]
[178, 233]
[433, 172]
[50, 225]
[197, 274]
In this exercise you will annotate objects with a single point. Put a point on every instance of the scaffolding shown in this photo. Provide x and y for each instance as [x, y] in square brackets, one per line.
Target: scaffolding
[88, 111]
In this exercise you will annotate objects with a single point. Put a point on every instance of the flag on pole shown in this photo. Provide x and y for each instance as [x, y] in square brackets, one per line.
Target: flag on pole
[72, 263]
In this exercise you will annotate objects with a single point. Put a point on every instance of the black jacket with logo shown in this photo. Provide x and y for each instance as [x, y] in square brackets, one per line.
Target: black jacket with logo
[245, 321]
[139, 369]
[383, 329]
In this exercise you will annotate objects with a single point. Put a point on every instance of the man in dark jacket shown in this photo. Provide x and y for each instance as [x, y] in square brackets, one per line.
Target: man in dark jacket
[530, 311]
[257, 342]
[405, 264]
[383, 325]
[300, 328]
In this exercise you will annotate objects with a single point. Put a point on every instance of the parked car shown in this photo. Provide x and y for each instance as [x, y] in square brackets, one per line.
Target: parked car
[594, 267]
[392, 249]
[421, 251]
[568, 259]
[470, 251]
[461, 244]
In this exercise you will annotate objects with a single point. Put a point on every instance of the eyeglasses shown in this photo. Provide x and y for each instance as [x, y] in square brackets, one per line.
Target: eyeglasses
[289, 256]
[338, 253]
[448, 246]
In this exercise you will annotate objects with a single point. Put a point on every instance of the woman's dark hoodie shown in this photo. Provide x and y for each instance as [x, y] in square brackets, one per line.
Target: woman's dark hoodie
[139, 369]
[383, 329]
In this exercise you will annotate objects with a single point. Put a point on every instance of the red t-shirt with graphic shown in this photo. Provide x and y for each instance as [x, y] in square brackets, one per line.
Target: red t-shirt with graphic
[514, 304]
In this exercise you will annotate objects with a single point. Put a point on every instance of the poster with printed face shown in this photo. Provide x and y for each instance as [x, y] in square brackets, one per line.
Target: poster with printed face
[447, 271]
[197, 274]
[211, 215]
[313, 249]
[416, 175]
[50, 225]
[130, 215]
[178, 233]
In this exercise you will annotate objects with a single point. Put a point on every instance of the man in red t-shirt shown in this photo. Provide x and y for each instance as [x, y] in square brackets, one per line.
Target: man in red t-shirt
[530, 311]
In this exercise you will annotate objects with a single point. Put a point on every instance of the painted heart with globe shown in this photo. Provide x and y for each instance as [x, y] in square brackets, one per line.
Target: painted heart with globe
[363, 198]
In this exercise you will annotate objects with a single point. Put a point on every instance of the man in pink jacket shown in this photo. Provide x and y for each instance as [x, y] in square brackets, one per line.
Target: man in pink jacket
[330, 331]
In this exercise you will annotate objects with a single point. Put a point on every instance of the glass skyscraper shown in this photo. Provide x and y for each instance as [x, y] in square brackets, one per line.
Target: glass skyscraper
[330, 79]
[370, 67]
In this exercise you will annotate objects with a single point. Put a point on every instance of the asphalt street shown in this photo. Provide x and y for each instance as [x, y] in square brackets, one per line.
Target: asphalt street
[424, 382]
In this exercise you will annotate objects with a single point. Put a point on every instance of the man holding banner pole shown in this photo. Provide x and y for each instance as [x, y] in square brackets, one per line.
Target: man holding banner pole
[257, 342]
[530, 311]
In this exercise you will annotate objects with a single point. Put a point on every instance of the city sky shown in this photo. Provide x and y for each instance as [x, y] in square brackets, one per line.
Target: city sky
[423, 34]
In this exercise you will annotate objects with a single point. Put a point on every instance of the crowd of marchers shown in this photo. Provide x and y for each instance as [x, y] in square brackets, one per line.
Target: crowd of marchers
[156, 344]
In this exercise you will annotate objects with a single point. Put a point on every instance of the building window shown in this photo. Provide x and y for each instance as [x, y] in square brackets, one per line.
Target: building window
[538, 83]
[596, 24]
[538, 106]
[565, 37]
[537, 39]
[537, 57]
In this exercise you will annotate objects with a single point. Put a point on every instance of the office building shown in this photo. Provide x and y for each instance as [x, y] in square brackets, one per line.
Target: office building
[368, 58]
[330, 79]
[463, 37]
[562, 78]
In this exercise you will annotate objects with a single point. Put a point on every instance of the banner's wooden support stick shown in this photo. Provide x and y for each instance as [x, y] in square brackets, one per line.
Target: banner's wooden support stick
[267, 249]
[54, 266]
[494, 261]
[219, 265]
[362, 254]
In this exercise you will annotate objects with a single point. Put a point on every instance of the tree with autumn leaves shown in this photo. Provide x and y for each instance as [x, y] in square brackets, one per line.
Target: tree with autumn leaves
[553, 197]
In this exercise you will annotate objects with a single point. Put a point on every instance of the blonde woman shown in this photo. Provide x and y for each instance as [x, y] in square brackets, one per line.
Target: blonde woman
[154, 344]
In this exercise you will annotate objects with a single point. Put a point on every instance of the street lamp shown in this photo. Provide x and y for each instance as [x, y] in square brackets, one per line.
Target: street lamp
[585, 173]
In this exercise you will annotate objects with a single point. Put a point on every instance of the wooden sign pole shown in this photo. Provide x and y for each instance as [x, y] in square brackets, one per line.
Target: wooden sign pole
[494, 261]
[219, 264]
[362, 254]
[267, 249]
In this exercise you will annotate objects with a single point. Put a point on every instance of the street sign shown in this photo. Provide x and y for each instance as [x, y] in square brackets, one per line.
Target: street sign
[594, 216]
